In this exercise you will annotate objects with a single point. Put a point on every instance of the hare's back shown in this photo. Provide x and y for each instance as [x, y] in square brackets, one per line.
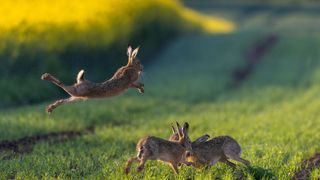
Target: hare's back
[219, 144]
[231, 146]
[149, 143]
[160, 148]
[86, 89]
[99, 90]
[213, 146]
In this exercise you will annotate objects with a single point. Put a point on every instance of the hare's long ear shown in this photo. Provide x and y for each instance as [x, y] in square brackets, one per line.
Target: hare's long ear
[174, 131]
[201, 139]
[135, 52]
[129, 51]
[185, 129]
[180, 133]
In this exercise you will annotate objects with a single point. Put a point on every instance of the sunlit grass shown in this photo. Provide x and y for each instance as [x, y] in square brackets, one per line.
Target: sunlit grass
[274, 114]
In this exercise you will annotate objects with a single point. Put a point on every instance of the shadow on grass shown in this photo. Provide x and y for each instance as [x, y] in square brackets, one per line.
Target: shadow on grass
[260, 173]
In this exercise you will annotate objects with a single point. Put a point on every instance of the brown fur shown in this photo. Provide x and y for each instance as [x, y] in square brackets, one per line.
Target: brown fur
[206, 153]
[220, 149]
[154, 148]
[125, 77]
[175, 137]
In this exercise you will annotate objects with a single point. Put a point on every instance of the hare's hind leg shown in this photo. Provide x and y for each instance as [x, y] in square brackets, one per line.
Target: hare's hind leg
[245, 162]
[129, 164]
[139, 86]
[69, 89]
[54, 80]
[60, 102]
[141, 165]
[214, 161]
[174, 166]
[224, 160]
[234, 156]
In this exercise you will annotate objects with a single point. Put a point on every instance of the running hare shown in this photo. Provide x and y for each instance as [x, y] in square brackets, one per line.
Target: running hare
[220, 148]
[154, 148]
[125, 77]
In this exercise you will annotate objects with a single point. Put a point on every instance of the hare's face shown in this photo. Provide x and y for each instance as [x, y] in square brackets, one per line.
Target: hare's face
[187, 145]
[136, 64]
[181, 135]
[184, 138]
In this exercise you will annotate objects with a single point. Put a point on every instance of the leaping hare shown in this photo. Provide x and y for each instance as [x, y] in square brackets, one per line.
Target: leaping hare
[125, 77]
[220, 149]
[154, 148]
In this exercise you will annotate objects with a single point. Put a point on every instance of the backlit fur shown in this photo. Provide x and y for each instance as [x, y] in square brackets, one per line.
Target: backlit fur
[124, 78]
[154, 148]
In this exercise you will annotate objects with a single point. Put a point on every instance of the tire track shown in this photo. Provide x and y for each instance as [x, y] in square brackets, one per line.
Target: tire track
[25, 145]
[307, 166]
[253, 57]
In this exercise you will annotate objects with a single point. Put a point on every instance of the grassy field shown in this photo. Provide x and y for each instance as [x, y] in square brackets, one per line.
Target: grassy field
[274, 113]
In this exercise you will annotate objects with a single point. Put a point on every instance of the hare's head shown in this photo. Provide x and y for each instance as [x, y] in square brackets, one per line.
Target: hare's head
[132, 60]
[183, 137]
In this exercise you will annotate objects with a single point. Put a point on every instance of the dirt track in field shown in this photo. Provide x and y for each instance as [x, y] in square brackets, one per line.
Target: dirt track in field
[253, 57]
[25, 144]
[307, 166]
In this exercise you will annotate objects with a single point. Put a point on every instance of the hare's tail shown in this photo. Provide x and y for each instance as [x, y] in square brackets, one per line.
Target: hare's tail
[80, 76]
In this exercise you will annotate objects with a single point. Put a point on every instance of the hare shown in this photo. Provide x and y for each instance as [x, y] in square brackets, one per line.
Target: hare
[220, 149]
[154, 148]
[206, 153]
[125, 77]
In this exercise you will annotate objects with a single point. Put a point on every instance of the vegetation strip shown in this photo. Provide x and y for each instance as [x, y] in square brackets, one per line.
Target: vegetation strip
[24, 145]
[253, 57]
[307, 166]
[252, 7]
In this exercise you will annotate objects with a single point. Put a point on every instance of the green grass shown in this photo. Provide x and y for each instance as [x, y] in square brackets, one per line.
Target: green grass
[274, 115]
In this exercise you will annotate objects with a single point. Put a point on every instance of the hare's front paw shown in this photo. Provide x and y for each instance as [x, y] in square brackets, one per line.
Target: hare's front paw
[140, 168]
[45, 76]
[127, 170]
[49, 109]
[141, 89]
